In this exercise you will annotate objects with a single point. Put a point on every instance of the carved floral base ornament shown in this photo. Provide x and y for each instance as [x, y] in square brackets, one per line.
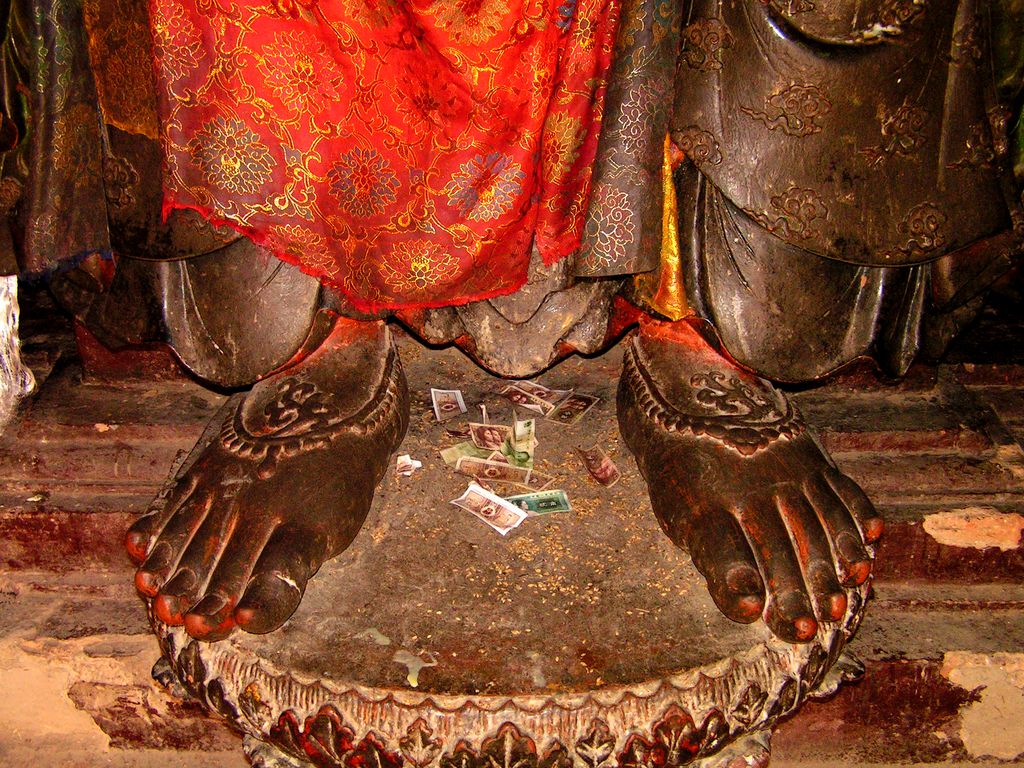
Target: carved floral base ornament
[293, 724]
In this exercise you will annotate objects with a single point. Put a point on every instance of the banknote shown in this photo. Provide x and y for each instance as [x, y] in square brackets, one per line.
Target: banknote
[521, 442]
[448, 403]
[492, 470]
[524, 435]
[498, 472]
[538, 481]
[491, 437]
[523, 399]
[493, 510]
[571, 410]
[541, 503]
[452, 455]
[406, 465]
[599, 465]
[499, 457]
[539, 391]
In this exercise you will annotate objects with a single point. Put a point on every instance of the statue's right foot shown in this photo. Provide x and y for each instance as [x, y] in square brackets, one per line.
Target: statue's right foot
[285, 486]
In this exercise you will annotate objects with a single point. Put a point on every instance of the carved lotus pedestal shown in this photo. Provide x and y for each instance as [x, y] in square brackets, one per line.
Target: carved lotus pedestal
[580, 640]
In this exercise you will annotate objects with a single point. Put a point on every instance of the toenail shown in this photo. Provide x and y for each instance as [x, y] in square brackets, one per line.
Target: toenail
[873, 528]
[857, 572]
[744, 580]
[849, 547]
[837, 606]
[209, 628]
[244, 616]
[136, 544]
[792, 606]
[212, 618]
[805, 627]
[147, 583]
[169, 609]
[750, 606]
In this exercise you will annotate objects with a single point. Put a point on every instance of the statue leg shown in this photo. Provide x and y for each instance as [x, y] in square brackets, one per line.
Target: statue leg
[285, 486]
[736, 478]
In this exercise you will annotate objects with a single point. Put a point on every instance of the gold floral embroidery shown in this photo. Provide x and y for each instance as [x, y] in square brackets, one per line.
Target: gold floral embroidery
[176, 42]
[562, 137]
[363, 182]
[370, 124]
[609, 230]
[231, 156]
[471, 21]
[417, 266]
[299, 71]
[485, 187]
[120, 55]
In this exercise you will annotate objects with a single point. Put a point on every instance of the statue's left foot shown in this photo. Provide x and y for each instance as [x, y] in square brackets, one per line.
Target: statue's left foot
[735, 477]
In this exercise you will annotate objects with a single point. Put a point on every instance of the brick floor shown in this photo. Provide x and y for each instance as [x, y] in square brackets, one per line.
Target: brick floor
[940, 453]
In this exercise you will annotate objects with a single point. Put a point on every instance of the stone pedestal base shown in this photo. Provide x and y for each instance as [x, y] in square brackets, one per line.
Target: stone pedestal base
[580, 640]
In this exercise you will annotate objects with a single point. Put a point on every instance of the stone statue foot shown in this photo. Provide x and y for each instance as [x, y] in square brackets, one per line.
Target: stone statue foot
[736, 478]
[285, 486]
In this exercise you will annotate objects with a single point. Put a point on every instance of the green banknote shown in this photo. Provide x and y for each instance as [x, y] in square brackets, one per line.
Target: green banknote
[541, 503]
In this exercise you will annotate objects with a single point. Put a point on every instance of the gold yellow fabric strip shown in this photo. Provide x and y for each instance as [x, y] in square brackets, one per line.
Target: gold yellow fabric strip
[662, 291]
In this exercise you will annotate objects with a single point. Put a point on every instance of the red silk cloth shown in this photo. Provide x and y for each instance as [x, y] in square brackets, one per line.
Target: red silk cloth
[407, 152]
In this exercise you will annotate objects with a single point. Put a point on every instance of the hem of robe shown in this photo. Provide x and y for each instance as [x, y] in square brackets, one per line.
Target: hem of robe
[357, 301]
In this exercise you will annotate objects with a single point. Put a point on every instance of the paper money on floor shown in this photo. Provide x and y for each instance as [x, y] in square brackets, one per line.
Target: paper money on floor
[406, 465]
[550, 396]
[499, 472]
[571, 410]
[599, 465]
[489, 436]
[452, 454]
[493, 510]
[521, 442]
[542, 502]
[517, 396]
[448, 403]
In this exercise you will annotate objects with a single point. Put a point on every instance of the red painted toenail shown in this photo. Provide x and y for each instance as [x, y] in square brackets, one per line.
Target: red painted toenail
[205, 628]
[750, 607]
[837, 606]
[244, 616]
[136, 544]
[168, 608]
[805, 627]
[212, 618]
[857, 573]
[873, 528]
[147, 583]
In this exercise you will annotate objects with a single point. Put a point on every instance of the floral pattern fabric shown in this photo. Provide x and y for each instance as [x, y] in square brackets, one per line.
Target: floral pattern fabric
[407, 152]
